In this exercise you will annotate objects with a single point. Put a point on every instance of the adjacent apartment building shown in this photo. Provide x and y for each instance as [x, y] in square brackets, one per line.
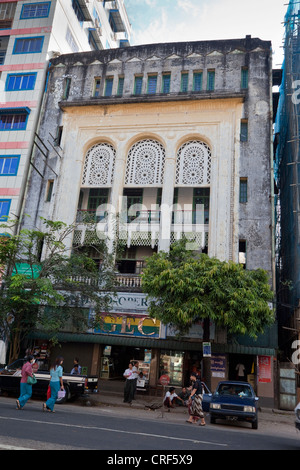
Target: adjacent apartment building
[31, 35]
[156, 142]
[287, 157]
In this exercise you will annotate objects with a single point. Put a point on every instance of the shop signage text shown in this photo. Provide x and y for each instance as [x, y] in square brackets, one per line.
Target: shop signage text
[128, 325]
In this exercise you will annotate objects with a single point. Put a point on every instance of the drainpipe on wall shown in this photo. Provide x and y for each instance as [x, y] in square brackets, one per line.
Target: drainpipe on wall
[28, 167]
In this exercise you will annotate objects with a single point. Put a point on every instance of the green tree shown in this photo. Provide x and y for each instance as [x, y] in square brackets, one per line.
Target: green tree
[184, 287]
[48, 291]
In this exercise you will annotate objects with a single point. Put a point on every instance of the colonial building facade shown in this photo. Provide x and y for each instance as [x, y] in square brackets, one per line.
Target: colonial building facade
[158, 142]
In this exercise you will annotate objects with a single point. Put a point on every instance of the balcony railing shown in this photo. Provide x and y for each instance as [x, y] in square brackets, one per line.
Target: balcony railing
[145, 217]
[142, 228]
[89, 216]
[129, 280]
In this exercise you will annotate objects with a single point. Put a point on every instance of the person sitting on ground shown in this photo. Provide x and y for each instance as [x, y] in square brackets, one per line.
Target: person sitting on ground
[169, 397]
[183, 397]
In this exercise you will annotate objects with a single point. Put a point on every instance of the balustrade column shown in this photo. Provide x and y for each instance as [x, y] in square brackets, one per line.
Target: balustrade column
[116, 196]
[167, 199]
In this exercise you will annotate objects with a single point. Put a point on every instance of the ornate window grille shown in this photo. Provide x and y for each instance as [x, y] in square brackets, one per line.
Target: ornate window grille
[99, 165]
[145, 163]
[193, 166]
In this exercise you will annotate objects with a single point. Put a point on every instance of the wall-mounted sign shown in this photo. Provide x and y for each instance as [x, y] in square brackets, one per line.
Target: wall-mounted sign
[131, 302]
[206, 349]
[128, 325]
[218, 366]
[264, 369]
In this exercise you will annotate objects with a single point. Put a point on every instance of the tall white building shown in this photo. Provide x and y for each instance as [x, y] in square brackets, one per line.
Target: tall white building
[31, 34]
[158, 142]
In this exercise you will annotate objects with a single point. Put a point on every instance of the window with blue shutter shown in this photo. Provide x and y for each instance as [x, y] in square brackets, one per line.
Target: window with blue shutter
[97, 83]
[210, 80]
[184, 81]
[28, 45]
[9, 165]
[243, 190]
[120, 86]
[197, 81]
[14, 119]
[152, 82]
[244, 78]
[35, 10]
[19, 81]
[166, 83]
[138, 83]
[108, 86]
[244, 130]
[4, 209]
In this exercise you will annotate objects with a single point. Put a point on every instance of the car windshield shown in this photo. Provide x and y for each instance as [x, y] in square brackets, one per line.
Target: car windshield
[235, 390]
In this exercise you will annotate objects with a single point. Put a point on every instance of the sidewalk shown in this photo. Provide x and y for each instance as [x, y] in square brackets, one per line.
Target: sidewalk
[111, 394]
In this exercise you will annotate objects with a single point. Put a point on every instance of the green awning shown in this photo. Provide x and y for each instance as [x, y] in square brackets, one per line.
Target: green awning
[32, 272]
[149, 343]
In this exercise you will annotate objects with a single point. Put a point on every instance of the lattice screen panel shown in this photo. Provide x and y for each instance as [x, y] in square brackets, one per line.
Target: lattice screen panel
[99, 165]
[193, 166]
[145, 163]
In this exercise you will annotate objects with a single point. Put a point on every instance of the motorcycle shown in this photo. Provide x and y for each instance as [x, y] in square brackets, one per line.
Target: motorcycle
[297, 414]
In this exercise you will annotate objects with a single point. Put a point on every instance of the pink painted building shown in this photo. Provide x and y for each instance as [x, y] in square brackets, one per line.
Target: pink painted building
[31, 34]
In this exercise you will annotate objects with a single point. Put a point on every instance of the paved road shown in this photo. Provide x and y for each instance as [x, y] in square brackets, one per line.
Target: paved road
[116, 429]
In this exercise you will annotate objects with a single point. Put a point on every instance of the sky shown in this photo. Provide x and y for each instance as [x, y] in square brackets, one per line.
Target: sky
[156, 21]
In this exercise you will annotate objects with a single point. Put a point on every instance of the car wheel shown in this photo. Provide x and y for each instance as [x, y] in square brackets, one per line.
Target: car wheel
[212, 420]
[255, 424]
[60, 401]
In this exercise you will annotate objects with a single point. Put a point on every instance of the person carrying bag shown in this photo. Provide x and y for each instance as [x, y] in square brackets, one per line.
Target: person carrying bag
[27, 380]
[195, 402]
[56, 384]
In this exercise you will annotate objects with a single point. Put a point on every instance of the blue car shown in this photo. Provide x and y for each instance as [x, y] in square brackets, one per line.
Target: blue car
[206, 398]
[235, 401]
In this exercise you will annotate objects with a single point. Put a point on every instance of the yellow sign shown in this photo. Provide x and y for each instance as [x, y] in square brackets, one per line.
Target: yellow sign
[128, 325]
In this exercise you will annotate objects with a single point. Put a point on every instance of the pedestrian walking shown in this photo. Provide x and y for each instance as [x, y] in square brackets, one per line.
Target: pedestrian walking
[129, 389]
[25, 388]
[195, 402]
[56, 384]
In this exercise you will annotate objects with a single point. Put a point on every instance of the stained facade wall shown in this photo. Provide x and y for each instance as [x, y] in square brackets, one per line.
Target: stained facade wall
[213, 117]
[225, 132]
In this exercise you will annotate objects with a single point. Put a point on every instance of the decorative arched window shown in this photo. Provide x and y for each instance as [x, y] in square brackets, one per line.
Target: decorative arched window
[145, 163]
[193, 166]
[99, 165]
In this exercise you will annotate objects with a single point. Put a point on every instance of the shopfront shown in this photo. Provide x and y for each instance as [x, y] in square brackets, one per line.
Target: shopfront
[128, 333]
[115, 360]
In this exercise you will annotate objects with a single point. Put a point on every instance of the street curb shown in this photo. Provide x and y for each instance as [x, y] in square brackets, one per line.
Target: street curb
[115, 399]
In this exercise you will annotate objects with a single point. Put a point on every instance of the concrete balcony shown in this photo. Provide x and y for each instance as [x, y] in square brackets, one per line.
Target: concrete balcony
[124, 282]
[118, 15]
[142, 229]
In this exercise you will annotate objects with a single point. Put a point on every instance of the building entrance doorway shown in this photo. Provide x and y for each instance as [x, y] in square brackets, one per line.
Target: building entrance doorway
[241, 366]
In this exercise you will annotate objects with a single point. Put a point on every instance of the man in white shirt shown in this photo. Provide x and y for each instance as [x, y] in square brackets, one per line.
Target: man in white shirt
[130, 375]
